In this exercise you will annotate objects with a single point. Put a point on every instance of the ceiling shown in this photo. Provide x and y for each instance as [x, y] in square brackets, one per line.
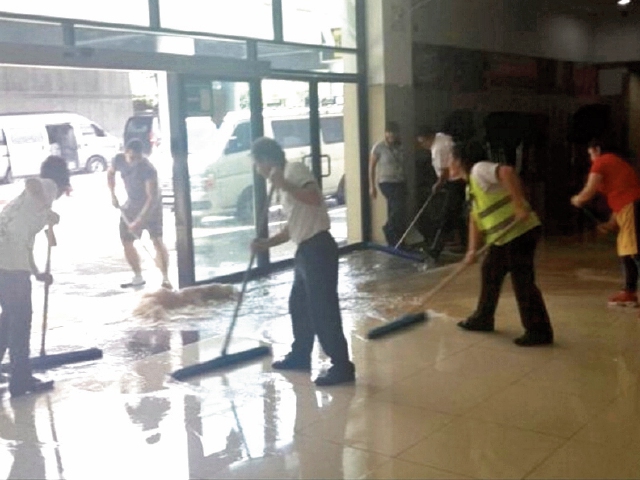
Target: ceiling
[594, 8]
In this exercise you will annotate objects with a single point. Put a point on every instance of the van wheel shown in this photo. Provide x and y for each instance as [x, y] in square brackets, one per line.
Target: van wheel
[244, 207]
[8, 176]
[96, 164]
[341, 194]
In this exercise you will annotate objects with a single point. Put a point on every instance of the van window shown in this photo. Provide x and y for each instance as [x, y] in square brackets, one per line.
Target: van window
[332, 129]
[241, 139]
[21, 136]
[292, 133]
[98, 131]
[87, 131]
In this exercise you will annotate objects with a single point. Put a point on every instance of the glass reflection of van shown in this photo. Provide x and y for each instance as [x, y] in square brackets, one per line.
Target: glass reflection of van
[230, 177]
[27, 139]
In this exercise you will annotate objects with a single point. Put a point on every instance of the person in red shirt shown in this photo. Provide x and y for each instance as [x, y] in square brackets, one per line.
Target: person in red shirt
[619, 183]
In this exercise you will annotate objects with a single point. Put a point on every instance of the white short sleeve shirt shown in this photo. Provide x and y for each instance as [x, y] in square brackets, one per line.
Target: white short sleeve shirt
[441, 152]
[303, 220]
[485, 174]
[20, 221]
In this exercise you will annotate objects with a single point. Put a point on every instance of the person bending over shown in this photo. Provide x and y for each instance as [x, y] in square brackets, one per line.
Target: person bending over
[501, 217]
[142, 211]
[20, 221]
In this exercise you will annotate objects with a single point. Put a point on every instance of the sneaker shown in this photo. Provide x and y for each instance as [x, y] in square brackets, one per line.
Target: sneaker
[337, 375]
[34, 385]
[166, 284]
[136, 281]
[623, 298]
[532, 339]
[292, 362]
[474, 325]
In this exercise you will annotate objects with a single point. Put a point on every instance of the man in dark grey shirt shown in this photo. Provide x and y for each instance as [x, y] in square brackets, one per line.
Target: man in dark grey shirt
[142, 211]
[387, 171]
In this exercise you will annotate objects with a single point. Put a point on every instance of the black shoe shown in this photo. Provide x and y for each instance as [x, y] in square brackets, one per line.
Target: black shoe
[34, 385]
[292, 362]
[336, 375]
[531, 339]
[476, 326]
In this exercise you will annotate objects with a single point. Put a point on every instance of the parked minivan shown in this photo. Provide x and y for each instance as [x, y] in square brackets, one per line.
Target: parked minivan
[146, 128]
[26, 139]
[230, 176]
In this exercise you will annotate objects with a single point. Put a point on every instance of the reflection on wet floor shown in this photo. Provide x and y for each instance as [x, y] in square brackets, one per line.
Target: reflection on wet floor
[569, 411]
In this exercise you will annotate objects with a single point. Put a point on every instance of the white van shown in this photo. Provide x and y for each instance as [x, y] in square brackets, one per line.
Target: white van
[229, 181]
[27, 139]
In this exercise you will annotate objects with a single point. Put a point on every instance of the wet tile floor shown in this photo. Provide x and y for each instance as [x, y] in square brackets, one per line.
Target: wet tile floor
[431, 402]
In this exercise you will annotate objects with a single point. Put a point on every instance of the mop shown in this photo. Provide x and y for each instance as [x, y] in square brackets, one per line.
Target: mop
[44, 361]
[227, 359]
[395, 250]
[415, 219]
[418, 315]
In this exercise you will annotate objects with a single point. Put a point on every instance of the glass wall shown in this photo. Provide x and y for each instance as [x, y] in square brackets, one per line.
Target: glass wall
[242, 18]
[287, 57]
[130, 12]
[320, 22]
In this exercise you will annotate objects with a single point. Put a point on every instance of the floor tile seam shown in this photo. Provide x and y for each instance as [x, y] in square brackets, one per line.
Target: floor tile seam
[544, 460]
[573, 441]
[561, 443]
[468, 416]
[429, 407]
[523, 381]
[425, 437]
[557, 388]
[594, 418]
[440, 469]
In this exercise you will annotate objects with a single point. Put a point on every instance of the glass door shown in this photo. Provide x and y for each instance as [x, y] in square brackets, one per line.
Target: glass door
[219, 135]
[315, 125]
[285, 112]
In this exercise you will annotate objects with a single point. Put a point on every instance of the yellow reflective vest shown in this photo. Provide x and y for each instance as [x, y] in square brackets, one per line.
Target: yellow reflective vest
[494, 212]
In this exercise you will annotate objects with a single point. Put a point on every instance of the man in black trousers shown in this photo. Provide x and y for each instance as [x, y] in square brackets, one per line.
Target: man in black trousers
[313, 302]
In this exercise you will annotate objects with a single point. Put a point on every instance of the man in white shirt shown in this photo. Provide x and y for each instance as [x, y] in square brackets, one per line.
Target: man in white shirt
[441, 146]
[20, 222]
[313, 303]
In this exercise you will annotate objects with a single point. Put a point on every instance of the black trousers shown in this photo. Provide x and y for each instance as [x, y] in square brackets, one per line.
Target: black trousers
[630, 271]
[454, 216]
[396, 195]
[516, 258]
[15, 322]
[313, 303]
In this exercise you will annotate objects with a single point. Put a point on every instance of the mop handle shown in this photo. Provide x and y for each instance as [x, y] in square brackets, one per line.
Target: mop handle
[263, 218]
[135, 235]
[415, 219]
[51, 242]
[463, 266]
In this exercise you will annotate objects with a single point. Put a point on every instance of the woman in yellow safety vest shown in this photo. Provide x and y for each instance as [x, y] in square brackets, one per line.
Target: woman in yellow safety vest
[501, 214]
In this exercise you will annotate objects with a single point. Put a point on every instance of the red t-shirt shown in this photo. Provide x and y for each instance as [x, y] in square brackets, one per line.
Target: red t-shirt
[620, 184]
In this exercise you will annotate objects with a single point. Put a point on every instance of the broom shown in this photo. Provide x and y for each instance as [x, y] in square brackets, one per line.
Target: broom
[44, 361]
[418, 315]
[227, 359]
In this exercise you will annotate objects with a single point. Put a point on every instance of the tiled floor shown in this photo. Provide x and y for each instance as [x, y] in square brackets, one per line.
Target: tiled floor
[431, 402]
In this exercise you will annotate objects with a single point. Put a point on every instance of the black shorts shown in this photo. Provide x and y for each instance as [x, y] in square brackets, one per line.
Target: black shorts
[153, 225]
